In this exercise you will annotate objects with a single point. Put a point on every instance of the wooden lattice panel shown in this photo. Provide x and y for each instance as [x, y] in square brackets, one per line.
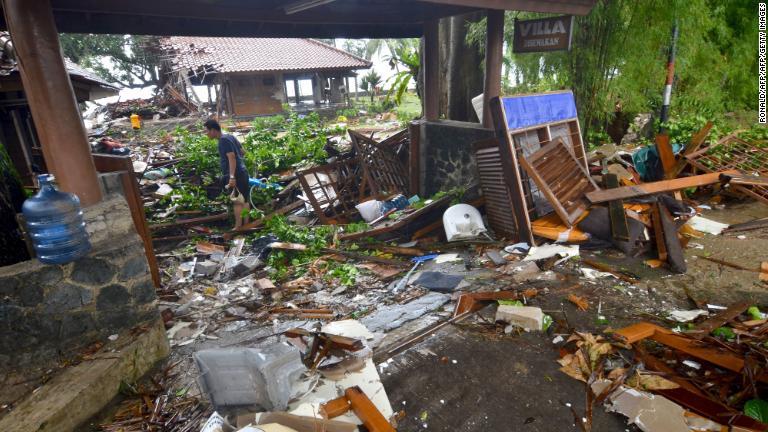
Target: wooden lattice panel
[736, 154]
[380, 164]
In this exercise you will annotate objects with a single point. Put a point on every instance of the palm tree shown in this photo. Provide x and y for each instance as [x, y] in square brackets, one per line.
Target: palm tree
[369, 83]
[405, 53]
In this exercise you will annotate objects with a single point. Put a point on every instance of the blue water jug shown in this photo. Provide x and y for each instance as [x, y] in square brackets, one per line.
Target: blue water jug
[55, 224]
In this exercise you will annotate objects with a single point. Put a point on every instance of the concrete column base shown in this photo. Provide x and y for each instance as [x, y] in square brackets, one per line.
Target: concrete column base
[80, 392]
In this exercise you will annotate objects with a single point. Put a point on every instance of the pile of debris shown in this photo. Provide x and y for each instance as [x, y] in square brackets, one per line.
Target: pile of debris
[167, 103]
[277, 324]
[705, 378]
[539, 182]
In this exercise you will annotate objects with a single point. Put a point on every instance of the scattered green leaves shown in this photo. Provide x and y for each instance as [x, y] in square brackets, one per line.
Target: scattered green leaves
[757, 409]
[724, 332]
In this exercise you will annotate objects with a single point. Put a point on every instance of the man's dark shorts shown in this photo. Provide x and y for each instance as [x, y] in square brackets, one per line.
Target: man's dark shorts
[241, 180]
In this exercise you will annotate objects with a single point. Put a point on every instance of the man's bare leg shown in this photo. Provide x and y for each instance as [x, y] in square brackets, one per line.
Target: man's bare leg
[238, 208]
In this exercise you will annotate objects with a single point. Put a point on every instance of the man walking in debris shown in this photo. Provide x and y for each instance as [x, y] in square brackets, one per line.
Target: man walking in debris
[234, 173]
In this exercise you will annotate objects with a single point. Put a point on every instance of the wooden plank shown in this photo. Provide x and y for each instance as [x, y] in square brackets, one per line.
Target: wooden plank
[388, 226]
[288, 246]
[744, 180]
[191, 221]
[748, 226]
[705, 327]
[675, 255]
[667, 157]
[254, 225]
[696, 141]
[658, 232]
[606, 268]
[619, 226]
[364, 257]
[635, 191]
[414, 157]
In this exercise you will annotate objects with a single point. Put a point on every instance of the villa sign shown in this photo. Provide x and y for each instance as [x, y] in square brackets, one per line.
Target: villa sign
[546, 34]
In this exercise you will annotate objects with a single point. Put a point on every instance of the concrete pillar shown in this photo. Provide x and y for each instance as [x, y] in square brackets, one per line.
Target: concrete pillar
[317, 89]
[431, 70]
[51, 98]
[494, 52]
[296, 91]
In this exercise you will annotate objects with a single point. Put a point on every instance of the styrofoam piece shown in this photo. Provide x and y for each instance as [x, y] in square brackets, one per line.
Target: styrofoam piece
[686, 315]
[703, 224]
[549, 250]
[251, 378]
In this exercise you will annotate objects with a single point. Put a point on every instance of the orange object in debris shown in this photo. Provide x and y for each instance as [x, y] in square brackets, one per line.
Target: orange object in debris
[692, 347]
[336, 407]
[135, 121]
[551, 227]
[366, 411]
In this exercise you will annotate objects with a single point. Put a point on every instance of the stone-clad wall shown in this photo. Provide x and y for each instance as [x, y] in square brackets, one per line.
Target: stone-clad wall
[447, 159]
[48, 312]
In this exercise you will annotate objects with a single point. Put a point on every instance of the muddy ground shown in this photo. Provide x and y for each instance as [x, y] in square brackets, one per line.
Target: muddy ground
[502, 382]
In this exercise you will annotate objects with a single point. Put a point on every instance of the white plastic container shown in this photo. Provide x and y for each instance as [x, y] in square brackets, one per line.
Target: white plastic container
[369, 210]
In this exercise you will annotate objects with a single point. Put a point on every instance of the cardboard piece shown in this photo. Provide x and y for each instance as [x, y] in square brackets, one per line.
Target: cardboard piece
[298, 423]
[651, 412]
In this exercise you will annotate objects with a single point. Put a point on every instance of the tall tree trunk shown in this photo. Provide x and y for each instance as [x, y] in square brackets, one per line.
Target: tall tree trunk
[12, 246]
[464, 77]
[445, 34]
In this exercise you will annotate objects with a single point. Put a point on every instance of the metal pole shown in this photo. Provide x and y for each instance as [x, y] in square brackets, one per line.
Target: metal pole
[670, 78]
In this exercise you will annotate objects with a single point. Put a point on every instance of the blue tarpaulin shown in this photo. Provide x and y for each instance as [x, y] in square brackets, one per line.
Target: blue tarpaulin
[526, 111]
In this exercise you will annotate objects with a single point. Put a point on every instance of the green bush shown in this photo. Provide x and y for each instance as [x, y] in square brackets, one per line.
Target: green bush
[200, 153]
[276, 143]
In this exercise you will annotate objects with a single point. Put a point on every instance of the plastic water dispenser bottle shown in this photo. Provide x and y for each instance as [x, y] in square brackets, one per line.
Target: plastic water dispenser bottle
[55, 224]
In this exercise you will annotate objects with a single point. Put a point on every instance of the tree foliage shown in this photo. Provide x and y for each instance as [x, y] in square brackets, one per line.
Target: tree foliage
[405, 59]
[619, 52]
[131, 61]
[370, 81]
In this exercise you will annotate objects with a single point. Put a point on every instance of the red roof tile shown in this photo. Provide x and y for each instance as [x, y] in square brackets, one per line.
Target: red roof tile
[216, 54]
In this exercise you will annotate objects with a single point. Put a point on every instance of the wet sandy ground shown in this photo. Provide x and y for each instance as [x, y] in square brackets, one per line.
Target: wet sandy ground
[502, 382]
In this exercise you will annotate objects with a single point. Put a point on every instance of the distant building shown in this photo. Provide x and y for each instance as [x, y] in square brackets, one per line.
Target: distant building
[17, 130]
[249, 75]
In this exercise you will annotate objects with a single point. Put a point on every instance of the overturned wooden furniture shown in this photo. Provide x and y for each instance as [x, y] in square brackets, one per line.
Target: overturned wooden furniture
[524, 124]
[335, 189]
[561, 178]
[374, 172]
[498, 198]
[380, 164]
